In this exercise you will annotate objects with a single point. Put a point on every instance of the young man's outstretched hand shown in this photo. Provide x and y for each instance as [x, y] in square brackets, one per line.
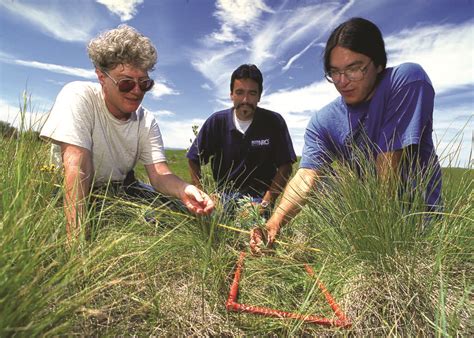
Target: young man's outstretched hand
[261, 240]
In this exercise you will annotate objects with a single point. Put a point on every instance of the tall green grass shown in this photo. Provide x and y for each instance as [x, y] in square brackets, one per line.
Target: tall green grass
[126, 276]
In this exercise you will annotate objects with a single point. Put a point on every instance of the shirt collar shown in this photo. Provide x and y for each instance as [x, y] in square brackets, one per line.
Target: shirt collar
[230, 118]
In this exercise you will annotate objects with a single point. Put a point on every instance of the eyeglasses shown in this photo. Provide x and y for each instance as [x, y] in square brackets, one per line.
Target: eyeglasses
[354, 73]
[126, 85]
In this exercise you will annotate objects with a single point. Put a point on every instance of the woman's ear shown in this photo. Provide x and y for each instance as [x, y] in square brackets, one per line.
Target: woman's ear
[100, 76]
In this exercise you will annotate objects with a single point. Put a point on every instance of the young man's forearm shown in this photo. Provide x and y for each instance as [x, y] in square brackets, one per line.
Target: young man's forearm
[292, 200]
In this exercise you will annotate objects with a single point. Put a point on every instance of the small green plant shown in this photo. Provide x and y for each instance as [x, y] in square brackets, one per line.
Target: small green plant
[248, 214]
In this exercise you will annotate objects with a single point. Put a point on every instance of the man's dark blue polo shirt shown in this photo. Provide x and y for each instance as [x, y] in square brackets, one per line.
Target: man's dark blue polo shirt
[244, 162]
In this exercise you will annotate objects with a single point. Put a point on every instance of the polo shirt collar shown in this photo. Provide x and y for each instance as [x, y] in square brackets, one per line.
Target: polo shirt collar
[230, 119]
[229, 116]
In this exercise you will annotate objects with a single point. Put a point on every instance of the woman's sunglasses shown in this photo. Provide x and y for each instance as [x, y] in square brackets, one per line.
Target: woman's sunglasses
[126, 85]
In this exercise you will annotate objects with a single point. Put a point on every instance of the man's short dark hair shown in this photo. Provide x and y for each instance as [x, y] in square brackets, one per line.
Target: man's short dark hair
[358, 35]
[247, 71]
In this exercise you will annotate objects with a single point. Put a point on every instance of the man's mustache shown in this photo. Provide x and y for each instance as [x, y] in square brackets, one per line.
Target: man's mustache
[240, 105]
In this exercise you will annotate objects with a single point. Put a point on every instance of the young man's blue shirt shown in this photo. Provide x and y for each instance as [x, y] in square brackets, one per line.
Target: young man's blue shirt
[244, 162]
[398, 116]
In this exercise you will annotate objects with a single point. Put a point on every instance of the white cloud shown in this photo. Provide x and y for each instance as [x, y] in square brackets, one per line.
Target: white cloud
[294, 104]
[225, 48]
[73, 71]
[206, 86]
[216, 65]
[161, 89]
[55, 20]
[240, 13]
[125, 9]
[160, 113]
[57, 83]
[332, 14]
[445, 52]
[225, 35]
[287, 29]
[178, 134]
[263, 40]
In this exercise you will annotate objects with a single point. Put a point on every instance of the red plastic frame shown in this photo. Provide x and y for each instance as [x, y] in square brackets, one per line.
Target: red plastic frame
[232, 305]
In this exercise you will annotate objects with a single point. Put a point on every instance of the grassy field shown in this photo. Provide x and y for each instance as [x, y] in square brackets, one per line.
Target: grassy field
[390, 273]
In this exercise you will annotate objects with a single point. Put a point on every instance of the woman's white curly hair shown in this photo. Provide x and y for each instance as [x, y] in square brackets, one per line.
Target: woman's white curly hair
[122, 45]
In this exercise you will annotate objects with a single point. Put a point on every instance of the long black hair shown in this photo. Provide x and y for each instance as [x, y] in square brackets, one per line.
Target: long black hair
[358, 35]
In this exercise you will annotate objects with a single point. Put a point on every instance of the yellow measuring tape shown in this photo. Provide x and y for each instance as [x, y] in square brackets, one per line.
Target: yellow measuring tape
[136, 205]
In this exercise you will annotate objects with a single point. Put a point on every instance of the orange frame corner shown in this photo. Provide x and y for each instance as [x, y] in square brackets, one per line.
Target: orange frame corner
[232, 304]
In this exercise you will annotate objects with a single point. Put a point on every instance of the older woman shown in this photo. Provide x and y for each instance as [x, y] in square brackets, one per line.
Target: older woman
[101, 130]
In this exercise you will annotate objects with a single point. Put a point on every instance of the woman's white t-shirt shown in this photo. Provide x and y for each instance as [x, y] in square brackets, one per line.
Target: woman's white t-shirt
[80, 117]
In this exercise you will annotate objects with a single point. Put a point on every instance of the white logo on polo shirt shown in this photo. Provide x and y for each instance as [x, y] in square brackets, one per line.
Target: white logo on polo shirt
[260, 143]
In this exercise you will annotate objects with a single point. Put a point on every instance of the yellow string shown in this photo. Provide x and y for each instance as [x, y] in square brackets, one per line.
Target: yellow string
[171, 212]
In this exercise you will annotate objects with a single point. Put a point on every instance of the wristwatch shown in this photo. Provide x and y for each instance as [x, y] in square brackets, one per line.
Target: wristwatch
[264, 204]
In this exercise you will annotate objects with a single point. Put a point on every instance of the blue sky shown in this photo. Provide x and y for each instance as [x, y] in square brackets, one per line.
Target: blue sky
[200, 43]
